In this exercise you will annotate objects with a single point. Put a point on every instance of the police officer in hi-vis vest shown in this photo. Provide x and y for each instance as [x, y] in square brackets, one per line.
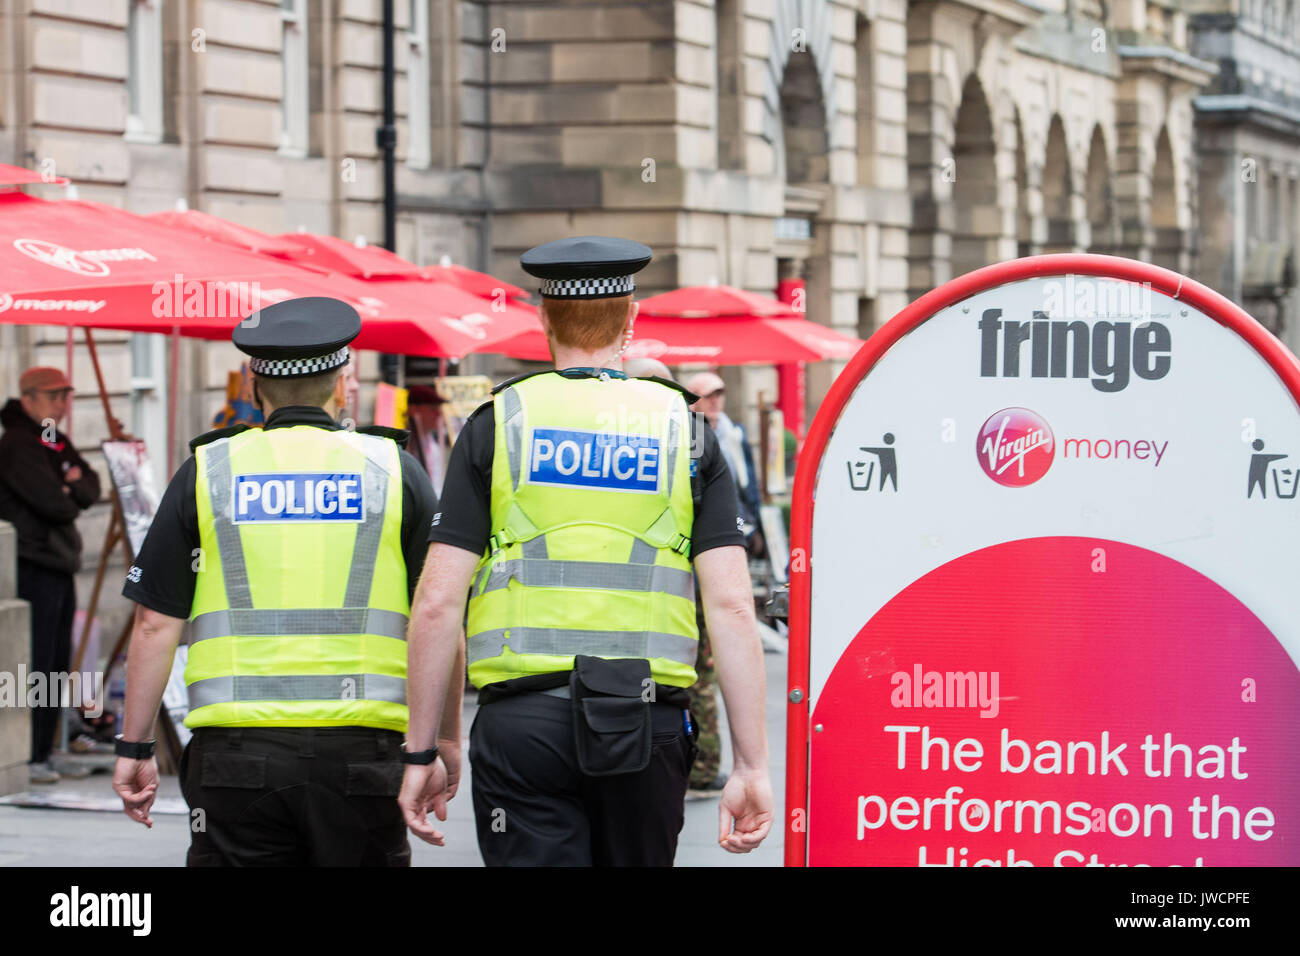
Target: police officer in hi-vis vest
[293, 551]
[575, 506]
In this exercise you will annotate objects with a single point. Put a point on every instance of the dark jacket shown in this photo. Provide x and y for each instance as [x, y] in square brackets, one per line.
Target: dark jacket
[34, 496]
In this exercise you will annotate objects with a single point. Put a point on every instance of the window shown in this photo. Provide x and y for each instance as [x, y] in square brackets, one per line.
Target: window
[418, 127]
[294, 128]
[144, 71]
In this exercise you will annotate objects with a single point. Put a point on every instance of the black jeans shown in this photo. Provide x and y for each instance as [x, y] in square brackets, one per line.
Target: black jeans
[534, 807]
[53, 597]
[294, 796]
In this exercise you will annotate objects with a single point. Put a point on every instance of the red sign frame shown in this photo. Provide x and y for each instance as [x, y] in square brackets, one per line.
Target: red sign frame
[1165, 281]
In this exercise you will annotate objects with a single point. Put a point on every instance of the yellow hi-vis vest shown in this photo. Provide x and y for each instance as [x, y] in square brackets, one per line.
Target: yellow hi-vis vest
[300, 607]
[591, 519]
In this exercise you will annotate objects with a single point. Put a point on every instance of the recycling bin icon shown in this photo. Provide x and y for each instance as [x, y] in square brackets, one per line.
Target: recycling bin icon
[860, 474]
[1286, 481]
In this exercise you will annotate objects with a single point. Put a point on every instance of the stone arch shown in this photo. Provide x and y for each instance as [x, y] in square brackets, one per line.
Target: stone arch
[1058, 190]
[1099, 197]
[977, 217]
[800, 28]
[803, 157]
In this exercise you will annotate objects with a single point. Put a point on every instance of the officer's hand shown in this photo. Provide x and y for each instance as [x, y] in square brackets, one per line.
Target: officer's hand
[136, 782]
[746, 802]
[450, 753]
[424, 788]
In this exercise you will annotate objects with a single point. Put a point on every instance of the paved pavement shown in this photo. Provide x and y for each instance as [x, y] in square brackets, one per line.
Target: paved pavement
[61, 837]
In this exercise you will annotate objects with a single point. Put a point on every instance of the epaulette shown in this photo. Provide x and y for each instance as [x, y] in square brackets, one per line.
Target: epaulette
[691, 397]
[216, 434]
[488, 404]
[519, 378]
[399, 435]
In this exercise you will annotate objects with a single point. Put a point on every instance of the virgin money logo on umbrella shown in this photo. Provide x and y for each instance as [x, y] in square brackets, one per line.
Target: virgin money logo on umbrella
[657, 349]
[475, 325]
[8, 302]
[1015, 447]
[87, 262]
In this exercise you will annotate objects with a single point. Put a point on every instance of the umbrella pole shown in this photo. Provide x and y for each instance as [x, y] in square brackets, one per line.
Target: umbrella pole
[172, 372]
[71, 342]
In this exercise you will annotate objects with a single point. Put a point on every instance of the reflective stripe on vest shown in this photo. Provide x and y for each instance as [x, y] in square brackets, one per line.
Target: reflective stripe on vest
[545, 573]
[340, 665]
[560, 641]
[347, 620]
[328, 687]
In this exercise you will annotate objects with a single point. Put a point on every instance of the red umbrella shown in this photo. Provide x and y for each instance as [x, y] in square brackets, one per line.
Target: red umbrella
[479, 283]
[452, 297]
[17, 176]
[714, 301]
[328, 254]
[223, 230]
[376, 262]
[487, 321]
[215, 307]
[48, 247]
[339, 255]
[88, 264]
[719, 325]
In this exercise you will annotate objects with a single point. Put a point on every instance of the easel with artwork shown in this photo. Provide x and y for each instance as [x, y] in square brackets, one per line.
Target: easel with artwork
[134, 500]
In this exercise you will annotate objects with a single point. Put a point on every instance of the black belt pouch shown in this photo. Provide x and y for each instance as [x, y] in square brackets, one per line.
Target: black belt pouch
[611, 714]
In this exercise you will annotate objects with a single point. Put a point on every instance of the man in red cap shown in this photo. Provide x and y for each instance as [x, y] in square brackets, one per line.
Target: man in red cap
[44, 486]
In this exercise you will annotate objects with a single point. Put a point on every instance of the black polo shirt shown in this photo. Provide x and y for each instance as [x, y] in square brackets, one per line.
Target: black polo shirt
[466, 517]
[163, 578]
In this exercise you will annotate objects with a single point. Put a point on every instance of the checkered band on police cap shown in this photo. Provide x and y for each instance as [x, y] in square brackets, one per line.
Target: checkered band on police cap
[298, 368]
[601, 288]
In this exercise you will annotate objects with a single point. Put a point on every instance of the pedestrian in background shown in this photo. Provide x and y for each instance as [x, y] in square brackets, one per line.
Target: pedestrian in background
[707, 779]
[44, 486]
[575, 508]
[735, 448]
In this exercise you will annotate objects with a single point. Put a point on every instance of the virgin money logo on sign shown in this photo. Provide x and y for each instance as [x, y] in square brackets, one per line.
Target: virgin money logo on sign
[1015, 447]
[88, 262]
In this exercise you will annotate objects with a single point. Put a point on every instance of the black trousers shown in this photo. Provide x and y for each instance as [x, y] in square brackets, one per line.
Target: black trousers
[534, 807]
[294, 796]
[53, 597]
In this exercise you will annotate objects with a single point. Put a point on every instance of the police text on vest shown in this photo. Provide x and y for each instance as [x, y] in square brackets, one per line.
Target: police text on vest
[583, 459]
[298, 496]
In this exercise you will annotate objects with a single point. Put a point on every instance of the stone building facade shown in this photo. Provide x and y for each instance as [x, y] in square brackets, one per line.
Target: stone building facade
[1248, 138]
[874, 148]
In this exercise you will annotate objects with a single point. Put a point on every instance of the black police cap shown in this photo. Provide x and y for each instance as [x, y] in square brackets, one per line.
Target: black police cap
[298, 337]
[586, 267]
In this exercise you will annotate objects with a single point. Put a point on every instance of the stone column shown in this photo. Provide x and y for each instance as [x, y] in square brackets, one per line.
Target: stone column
[931, 169]
[15, 657]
